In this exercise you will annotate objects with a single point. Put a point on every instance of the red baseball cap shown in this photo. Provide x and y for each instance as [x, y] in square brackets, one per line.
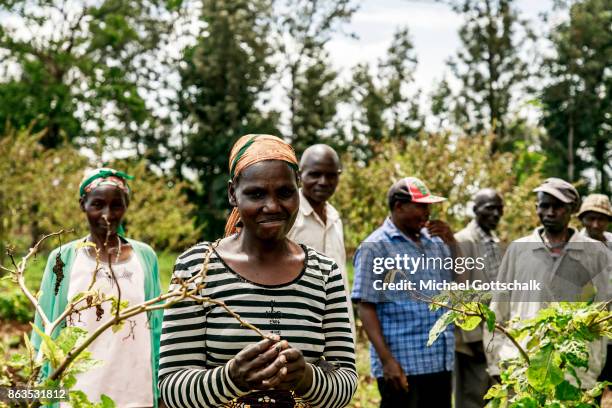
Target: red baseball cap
[412, 189]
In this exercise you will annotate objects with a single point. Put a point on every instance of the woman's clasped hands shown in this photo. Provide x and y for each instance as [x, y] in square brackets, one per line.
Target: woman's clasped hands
[271, 364]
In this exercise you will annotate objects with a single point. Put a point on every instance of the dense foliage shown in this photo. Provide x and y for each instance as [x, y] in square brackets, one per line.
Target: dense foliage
[83, 70]
[453, 167]
[39, 194]
[553, 347]
[578, 101]
[491, 67]
[176, 82]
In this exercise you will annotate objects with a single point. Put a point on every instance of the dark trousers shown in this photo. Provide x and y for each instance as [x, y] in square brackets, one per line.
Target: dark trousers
[424, 391]
[606, 373]
[471, 380]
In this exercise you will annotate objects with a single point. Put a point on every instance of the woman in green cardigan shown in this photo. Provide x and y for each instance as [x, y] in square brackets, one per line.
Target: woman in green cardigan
[127, 268]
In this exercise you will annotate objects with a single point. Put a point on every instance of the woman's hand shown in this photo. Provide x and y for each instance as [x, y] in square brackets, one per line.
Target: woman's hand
[294, 375]
[256, 363]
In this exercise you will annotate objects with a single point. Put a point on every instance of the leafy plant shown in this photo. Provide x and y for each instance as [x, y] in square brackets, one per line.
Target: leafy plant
[66, 354]
[553, 348]
[13, 303]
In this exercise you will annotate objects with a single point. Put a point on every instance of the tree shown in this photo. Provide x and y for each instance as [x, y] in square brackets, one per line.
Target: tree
[578, 101]
[316, 97]
[385, 109]
[489, 68]
[305, 27]
[81, 71]
[223, 78]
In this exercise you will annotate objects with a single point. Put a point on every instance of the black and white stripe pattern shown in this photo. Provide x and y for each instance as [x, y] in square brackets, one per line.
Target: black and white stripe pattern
[198, 340]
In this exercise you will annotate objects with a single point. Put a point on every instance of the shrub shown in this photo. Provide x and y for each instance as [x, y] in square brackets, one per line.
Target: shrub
[13, 303]
[455, 167]
[39, 194]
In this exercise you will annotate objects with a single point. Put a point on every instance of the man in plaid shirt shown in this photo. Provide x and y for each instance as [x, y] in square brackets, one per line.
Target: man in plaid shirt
[408, 372]
[477, 239]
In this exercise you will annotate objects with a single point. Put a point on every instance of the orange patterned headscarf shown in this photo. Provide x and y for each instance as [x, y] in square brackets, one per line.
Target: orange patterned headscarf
[251, 149]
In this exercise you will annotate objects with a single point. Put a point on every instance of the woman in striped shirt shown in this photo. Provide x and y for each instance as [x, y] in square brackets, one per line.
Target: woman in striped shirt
[207, 358]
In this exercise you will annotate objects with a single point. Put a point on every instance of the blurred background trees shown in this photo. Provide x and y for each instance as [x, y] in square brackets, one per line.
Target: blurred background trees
[163, 88]
[490, 69]
[455, 167]
[40, 194]
[82, 71]
[577, 104]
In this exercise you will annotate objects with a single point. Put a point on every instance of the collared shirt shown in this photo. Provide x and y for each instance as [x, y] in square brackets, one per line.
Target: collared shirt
[582, 263]
[492, 250]
[607, 237]
[405, 323]
[475, 243]
[325, 237]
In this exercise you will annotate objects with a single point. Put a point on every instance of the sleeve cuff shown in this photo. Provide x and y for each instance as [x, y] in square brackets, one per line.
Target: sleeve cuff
[315, 383]
[229, 383]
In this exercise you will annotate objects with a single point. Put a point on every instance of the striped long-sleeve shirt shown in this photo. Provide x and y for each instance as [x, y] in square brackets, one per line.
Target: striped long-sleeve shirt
[198, 340]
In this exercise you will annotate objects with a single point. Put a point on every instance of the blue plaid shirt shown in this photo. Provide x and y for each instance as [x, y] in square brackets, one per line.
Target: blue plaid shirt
[406, 322]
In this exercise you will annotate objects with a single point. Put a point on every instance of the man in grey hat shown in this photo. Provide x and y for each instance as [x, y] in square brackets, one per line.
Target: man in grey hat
[564, 261]
[477, 240]
[595, 215]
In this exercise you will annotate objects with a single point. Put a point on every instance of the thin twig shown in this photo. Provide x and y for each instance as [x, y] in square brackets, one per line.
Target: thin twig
[180, 294]
[483, 317]
[21, 277]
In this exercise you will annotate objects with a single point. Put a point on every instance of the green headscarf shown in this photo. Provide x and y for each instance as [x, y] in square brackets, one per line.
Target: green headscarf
[106, 176]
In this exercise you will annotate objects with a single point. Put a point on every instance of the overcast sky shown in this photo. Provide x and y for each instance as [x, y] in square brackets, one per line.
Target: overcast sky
[433, 28]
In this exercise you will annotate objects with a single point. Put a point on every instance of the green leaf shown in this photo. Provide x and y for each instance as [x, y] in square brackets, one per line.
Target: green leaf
[78, 399]
[69, 381]
[28, 345]
[597, 390]
[117, 327]
[438, 328]
[544, 371]
[122, 305]
[69, 336]
[496, 391]
[525, 402]
[489, 317]
[50, 349]
[17, 361]
[106, 402]
[573, 373]
[565, 391]
[83, 363]
[469, 322]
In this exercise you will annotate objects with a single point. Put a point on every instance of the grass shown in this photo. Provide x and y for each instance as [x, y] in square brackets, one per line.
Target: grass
[367, 395]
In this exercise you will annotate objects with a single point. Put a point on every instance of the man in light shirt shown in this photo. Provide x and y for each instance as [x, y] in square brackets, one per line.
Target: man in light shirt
[565, 261]
[595, 215]
[477, 239]
[318, 224]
